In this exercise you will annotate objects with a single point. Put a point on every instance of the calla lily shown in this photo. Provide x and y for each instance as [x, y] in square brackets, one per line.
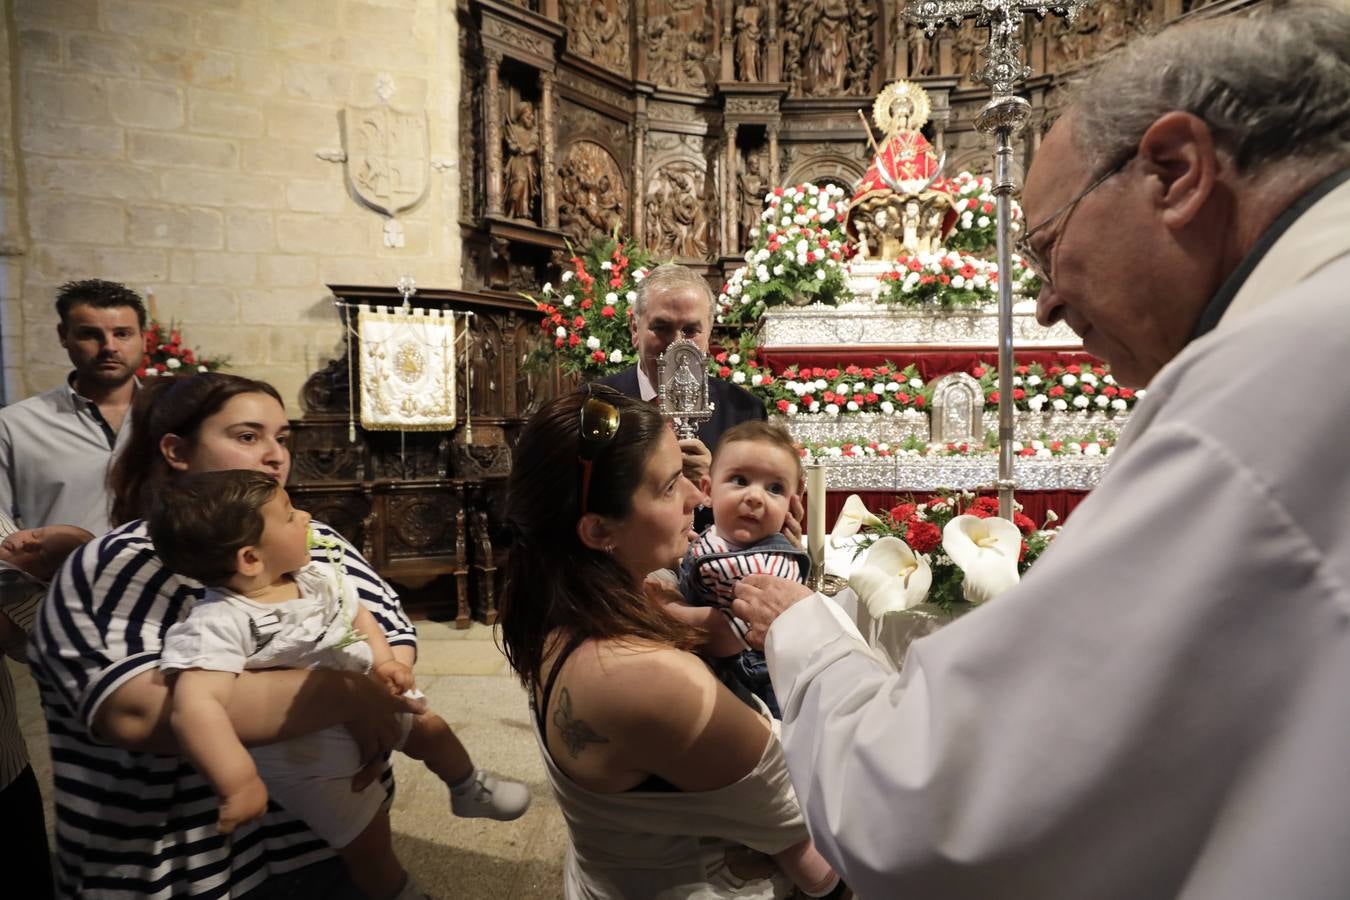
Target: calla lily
[853, 516]
[890, 578]
[987, 551]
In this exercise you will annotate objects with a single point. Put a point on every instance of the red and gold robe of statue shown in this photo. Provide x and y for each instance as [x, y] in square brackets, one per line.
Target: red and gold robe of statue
[909, 159]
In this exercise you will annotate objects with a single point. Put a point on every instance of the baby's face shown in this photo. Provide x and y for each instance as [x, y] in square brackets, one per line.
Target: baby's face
[40, 551]
[752, 483]
[285, 538]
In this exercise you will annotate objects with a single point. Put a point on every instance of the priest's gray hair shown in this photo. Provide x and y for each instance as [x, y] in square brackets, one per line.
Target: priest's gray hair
[669, 278]
[1273, 87]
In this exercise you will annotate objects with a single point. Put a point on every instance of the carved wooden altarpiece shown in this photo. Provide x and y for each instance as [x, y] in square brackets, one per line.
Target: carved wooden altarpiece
[670, 119]
[666, 119]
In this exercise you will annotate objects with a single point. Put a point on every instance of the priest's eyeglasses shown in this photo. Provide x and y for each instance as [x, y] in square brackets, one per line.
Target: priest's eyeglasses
[1040, 261]
[597, 424]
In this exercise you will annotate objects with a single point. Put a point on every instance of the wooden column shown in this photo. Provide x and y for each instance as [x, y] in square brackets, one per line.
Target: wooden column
[774, 173]
[492, 127]
[729, 199]
[548, 176]
[638, 194]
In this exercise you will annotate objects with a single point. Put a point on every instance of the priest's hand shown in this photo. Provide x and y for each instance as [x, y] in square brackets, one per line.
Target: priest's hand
[761, 599]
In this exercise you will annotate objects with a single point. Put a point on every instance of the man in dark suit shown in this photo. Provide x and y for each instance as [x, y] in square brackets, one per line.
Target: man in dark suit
[676, 302]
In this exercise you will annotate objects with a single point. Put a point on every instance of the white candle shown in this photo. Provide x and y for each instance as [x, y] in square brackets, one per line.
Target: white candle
[815, 514]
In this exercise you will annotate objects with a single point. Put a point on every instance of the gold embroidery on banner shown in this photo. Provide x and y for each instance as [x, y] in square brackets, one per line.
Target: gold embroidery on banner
[407, 371]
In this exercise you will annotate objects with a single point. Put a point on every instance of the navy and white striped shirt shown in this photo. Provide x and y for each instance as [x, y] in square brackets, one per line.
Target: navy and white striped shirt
[140, 824]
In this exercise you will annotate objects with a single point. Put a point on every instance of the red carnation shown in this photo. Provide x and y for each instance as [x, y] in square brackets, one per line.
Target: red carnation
[1057, 391]
[607, 311]
[923, 537]
[573, 340]
[984, 507]
[587, 303]
[579, 321]
[782, 406]
[978, 371]
[902, 512]
[598, 356]
[1023, 523]
[724, 372]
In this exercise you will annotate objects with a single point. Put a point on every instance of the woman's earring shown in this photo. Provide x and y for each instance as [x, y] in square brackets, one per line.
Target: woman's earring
[609, 548]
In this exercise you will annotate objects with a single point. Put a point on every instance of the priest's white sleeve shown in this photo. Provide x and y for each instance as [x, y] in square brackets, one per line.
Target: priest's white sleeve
[1088, 733]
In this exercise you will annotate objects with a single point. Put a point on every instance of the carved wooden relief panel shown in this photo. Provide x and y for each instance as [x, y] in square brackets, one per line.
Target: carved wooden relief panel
[677, 203]
[681, 41]
[421, 522]
[593, 193]
[829, 46]
[598, 31]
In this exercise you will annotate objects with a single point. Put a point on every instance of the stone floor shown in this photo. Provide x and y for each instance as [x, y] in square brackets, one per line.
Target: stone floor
[466, 680]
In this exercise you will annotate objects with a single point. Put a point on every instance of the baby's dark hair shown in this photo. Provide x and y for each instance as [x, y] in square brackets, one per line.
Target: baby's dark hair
[761, 431]
[199, 522]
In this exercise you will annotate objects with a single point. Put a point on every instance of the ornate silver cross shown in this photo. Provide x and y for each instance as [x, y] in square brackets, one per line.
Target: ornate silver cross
[1003, 66]
[1003, 116]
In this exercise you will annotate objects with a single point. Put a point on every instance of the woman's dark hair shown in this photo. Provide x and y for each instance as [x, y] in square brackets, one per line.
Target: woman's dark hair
[168, 406]
[554, 582]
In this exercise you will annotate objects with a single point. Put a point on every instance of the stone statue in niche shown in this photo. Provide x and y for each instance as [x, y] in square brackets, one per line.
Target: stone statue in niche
[676, 222]
[749, 53]
[752, 185]
[521, 134]
[591, 199]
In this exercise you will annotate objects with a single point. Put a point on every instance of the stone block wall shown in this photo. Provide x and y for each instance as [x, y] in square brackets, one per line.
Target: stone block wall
[172, 146]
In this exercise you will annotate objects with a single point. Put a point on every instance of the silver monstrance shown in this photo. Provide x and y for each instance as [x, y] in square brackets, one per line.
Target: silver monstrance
[682, 384]
[1003, 116]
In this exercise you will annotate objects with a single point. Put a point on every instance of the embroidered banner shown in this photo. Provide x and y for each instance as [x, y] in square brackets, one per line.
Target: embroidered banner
[407, 369]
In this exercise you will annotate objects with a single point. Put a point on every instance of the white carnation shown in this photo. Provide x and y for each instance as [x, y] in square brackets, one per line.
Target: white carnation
[592, 343]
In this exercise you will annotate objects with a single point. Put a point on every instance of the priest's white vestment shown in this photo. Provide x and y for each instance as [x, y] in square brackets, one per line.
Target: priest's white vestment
[1161, 708]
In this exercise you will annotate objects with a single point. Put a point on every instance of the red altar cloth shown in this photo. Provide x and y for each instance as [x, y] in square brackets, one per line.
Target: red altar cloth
[930, 363]
[1034, 503]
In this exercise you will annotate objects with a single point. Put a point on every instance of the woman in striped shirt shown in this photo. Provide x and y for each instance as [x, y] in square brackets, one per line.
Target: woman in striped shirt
[134, 819]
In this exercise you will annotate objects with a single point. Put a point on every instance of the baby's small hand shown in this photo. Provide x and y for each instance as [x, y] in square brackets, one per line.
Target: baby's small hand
[395, 676]
[241, 806]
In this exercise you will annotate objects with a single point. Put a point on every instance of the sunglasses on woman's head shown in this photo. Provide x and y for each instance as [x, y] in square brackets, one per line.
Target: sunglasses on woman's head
[597, 424]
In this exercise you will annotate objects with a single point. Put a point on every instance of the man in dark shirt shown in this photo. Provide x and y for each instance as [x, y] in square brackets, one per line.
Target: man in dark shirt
[675, 302]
